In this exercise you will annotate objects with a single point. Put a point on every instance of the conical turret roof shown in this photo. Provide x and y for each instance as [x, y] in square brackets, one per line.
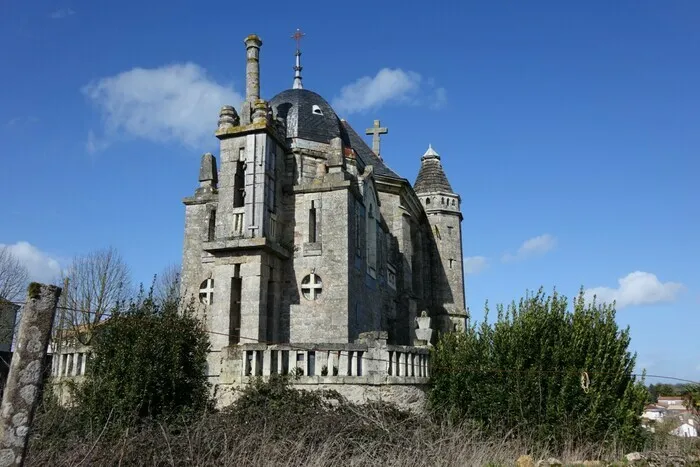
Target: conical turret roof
[431, 176]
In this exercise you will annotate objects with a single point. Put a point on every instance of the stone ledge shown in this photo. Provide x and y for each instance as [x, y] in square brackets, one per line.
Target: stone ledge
[243, 243]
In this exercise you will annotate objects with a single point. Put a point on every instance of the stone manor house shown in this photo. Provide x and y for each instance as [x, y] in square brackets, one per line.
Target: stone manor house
[308, 255]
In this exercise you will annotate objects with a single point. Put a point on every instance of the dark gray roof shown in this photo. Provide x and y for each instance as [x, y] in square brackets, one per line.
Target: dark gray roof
[431, 176]
[296, 107]
[366, 154]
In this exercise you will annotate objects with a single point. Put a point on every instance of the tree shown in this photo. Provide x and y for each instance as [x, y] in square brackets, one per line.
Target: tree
[149, 361]
[94, 284]
[553, 373]
[14, 276]
[167, 284]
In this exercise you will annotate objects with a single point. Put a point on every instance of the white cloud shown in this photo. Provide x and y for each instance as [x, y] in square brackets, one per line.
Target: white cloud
[532, 247]
[172, 103]
[636, 288]
[41, 266]
[388, 86]
[62, 13]
[95, 144]
[474, 264]
[21, 121]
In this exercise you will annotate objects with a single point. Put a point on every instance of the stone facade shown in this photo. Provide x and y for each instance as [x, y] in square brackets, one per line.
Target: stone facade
[303, 238]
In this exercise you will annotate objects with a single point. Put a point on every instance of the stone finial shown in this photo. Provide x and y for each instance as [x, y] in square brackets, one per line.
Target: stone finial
[228, 117]
[336, 156]
[252, 72]
[424, 333]
[261, 111]
[208, 177]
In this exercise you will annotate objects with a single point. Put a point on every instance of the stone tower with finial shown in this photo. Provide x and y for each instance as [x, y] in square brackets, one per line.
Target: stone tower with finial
[442, 206]
[305, 253]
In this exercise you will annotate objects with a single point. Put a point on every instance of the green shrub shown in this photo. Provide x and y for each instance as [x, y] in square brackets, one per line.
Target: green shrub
[544, 371]
[149, 361]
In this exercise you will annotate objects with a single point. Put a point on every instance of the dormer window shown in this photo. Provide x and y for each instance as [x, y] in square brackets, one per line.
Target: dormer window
[316, 110]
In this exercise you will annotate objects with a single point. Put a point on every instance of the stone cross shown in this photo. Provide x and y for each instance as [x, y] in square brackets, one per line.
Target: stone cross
[207, 292]
[375, 131]
[27, 370]
[313, 288]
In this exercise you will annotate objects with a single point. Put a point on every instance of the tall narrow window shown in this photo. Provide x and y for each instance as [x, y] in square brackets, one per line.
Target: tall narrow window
[371, 240]
[357, 228]
[313, 234]
[211, 232]
[234, 333]
[239, 185]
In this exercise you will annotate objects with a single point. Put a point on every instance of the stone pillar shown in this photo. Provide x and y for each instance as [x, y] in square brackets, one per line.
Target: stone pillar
[252, 69]
[26, 375]
[75, 364]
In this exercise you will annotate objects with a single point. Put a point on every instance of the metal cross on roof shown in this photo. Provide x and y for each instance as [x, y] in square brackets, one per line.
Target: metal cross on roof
[297, 37]
[375, 131]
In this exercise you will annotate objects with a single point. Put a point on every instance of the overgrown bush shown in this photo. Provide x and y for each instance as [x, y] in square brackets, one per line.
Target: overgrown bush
[272, 424]
[544, 371]
[149, 362]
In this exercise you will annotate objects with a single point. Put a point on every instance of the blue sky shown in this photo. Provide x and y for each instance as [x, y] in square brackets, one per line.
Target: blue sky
[570, 129]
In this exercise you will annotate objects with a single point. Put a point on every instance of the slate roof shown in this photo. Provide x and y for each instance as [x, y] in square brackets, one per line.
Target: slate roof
[366, 154]
[431, 176]
[296, 107]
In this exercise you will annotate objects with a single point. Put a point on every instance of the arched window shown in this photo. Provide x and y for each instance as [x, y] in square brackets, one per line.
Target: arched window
[427, 200]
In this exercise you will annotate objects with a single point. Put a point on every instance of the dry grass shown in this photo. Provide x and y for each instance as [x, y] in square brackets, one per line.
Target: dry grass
[279, 427]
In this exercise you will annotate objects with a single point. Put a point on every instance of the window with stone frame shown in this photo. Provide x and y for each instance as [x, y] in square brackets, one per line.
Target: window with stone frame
[211, 228]
[272, 177]
[391, 276]
[313, 223]
[206, 292]
[358, 238]
[239, 180]
[311, 286]
[371, 240]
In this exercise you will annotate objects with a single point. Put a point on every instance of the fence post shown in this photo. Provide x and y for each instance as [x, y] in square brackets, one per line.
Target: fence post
[27, 370]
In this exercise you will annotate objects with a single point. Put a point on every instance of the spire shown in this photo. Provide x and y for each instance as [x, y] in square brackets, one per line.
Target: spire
[297, 68]
[430, 153]
[431, 176]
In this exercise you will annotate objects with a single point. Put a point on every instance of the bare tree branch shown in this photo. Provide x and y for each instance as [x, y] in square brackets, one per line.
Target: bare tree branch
[167, 284]
[14, 277]
[97, 283]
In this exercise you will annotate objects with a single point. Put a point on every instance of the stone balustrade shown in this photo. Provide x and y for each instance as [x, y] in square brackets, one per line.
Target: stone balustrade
[68, 364]
[368, 361]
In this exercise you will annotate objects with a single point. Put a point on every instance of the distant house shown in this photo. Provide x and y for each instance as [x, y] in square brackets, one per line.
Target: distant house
[688, 427]
[671, 402]
[654, 412]
[671, 413]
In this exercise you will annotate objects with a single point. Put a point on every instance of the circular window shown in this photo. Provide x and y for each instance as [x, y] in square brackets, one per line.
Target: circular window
[311, 287]
[206, 292]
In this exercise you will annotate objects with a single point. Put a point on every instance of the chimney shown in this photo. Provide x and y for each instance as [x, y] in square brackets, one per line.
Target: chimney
[252, 71]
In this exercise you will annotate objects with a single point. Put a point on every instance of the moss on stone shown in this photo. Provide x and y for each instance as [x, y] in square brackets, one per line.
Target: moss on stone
[34, 290]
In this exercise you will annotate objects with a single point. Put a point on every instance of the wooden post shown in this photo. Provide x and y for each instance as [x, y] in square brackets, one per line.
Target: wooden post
[26, 372]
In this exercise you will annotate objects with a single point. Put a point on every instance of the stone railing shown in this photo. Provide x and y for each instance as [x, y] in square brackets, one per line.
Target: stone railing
[368, 361]
[68, 364]
[238, 221]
